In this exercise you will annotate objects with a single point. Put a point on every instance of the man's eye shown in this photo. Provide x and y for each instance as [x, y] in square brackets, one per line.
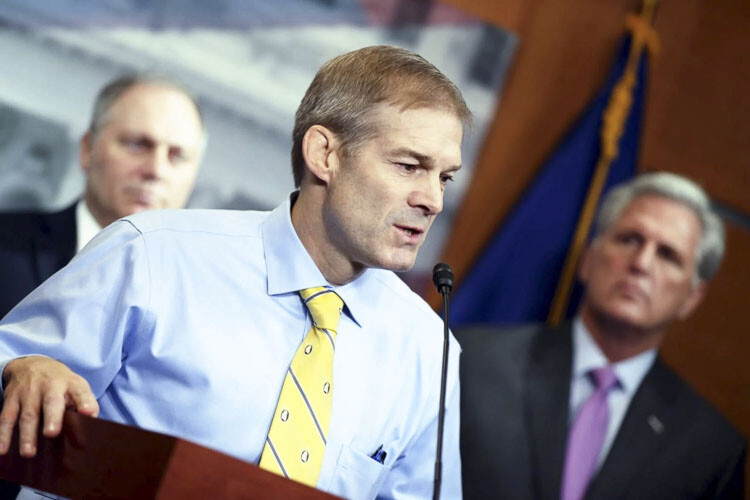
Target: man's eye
[177, 157]
[670, 255]
[628, 238]
[445, 179]
[408, 167]
[134, 145]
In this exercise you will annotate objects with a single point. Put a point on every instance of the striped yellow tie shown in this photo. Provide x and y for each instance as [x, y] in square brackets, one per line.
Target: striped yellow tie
[297, 438]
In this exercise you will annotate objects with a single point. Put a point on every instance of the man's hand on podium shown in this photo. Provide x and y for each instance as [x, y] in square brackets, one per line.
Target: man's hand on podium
[37, 383]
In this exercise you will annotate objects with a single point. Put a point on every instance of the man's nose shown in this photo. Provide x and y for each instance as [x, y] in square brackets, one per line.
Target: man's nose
[428, 196]
[155, 163]
[643, 257]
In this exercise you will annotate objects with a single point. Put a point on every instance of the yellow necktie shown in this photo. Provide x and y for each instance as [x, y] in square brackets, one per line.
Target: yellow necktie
[297, 439]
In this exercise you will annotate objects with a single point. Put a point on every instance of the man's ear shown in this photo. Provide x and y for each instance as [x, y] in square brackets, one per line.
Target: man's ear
[320, 149]
[84, 151]
[693, 300]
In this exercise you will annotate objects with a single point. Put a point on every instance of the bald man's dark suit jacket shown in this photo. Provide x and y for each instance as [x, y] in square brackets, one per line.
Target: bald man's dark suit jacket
[515, 388]
[33, 246]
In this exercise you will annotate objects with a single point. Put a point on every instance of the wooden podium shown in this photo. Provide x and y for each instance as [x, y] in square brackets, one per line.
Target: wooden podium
[95, 458]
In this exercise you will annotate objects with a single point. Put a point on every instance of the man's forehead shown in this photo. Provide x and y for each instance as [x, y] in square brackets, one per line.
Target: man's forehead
[660, 208]
[158, 111]
[154, 100]
[394, 114]
[669, 219]
[428, 132]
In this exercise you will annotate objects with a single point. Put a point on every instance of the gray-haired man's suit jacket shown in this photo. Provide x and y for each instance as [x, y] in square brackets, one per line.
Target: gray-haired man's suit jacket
[515, 388]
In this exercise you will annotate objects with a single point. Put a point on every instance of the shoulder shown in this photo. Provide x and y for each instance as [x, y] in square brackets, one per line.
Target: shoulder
[9, 219]
[700, 419]
[414, 328]
[209, 223]
[491, 340]
[15, 226]
[409, 305]
[183, 235]
[505, 354]
[19, 225]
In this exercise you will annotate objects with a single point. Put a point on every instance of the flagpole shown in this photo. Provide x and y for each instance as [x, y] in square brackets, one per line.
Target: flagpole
[614, 118]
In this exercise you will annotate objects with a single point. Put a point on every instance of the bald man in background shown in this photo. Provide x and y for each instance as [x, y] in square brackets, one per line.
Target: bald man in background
[141, 151]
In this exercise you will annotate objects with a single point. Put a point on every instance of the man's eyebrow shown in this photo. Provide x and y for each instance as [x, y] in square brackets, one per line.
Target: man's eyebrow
[422, 158]
[150, 139]
[129, 136]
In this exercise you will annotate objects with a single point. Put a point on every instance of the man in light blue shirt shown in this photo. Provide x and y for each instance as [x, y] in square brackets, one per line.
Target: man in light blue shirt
[185, 322]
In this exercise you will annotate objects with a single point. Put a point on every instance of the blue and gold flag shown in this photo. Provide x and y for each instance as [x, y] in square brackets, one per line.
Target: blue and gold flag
[516, 277]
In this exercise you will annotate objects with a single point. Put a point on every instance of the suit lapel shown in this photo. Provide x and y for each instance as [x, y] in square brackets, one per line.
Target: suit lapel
[648, 424]
[547, 405]
[55, 243]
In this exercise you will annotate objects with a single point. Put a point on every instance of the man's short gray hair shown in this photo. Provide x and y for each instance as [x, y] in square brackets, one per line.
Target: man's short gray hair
[346, 90]
[682, 190]
[111, 92]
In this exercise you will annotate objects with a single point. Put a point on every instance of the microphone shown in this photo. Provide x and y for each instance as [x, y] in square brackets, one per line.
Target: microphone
[442, 277]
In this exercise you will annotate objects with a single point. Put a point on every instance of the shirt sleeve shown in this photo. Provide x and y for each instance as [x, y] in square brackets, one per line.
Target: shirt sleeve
[412, 476]
[83, 314]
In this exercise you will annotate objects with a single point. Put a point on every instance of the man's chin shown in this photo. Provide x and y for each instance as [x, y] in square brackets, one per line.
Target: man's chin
[131, 209]
[389, 258]
[624, 318]
[402, 269]
[398, 265]
[140, 206]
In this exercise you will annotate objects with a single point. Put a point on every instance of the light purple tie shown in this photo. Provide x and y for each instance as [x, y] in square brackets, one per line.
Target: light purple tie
[587, 435]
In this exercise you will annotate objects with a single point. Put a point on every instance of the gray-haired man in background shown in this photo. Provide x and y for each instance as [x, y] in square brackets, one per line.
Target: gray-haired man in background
[589, 410]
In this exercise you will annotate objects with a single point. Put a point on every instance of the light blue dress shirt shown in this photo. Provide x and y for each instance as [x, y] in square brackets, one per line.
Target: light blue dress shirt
[587, 356]
[185, 321]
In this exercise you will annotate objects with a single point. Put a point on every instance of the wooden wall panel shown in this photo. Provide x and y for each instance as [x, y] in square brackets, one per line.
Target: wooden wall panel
[710, 349]
[698, 112]
[510, 14]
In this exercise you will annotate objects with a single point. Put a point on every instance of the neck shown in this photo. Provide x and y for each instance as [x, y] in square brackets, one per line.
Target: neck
[101, 216]
[618, 340]
[307, 219]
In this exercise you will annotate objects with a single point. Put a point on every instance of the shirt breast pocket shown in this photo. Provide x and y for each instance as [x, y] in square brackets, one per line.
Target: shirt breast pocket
[357, 476]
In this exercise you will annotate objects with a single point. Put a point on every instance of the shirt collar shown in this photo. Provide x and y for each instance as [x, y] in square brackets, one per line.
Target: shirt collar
[86, 225]
[587, 355]
[290, 267]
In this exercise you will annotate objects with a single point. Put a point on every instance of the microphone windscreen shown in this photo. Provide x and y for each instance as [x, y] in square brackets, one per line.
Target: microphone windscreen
[442, 277]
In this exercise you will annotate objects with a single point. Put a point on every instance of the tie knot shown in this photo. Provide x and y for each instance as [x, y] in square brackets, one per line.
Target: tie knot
[604, 378]
[324, 305]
